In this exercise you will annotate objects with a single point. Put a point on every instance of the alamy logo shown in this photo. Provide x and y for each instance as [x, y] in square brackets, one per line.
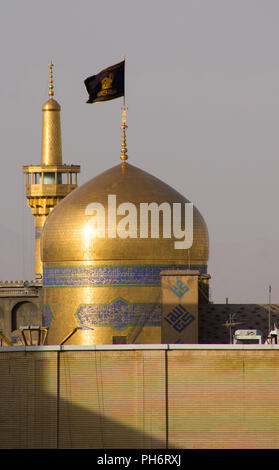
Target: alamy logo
[142, 222]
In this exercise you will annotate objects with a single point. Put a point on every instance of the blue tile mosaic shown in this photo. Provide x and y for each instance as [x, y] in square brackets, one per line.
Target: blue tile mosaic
[179, 288]
[46, 315]
[120, 314]
[107, 276]
[179, 318]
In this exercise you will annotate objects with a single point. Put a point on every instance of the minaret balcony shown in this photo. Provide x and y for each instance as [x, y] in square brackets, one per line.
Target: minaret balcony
[50, 181]
[49, 190]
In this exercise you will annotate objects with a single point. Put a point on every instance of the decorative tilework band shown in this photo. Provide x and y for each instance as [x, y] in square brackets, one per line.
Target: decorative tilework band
[120, 314]
[107, 276]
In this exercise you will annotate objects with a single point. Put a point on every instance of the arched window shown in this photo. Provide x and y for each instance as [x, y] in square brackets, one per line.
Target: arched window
[23, 314]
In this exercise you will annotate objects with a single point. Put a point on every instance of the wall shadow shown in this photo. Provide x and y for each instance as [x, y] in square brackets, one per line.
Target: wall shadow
[34, 415]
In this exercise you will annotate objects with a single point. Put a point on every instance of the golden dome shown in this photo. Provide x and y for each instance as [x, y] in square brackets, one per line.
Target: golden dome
[111, 284]
[65, 235]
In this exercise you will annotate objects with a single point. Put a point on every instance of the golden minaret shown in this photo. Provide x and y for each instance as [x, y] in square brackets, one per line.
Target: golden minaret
[47, 184]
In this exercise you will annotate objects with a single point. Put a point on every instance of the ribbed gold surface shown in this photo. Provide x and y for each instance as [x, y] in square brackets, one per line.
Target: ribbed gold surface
[202, 398]
[28, 394]
[223, 399]
[117, 404]
[64, 237]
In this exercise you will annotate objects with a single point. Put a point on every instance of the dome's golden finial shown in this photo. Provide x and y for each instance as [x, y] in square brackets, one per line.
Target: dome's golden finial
[124, 126]
[50, 87]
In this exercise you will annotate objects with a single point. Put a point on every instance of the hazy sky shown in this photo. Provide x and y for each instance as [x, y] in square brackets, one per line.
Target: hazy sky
[202, 89]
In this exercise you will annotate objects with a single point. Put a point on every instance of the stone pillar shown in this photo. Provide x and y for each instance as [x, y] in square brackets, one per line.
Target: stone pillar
[179, 297]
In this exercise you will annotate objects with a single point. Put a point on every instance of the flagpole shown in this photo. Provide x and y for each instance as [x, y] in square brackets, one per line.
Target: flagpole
[124, 58]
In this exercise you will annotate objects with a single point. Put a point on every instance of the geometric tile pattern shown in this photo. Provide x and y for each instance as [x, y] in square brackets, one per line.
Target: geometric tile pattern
[107, 276]
[179, 318]
[120, 314]
[179, 288]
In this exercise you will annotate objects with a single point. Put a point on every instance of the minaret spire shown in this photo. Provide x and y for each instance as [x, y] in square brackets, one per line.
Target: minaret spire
[47, 184]
[51, 130]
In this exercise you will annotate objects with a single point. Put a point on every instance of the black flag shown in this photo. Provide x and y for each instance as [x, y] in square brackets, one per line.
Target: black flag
[106, 85]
